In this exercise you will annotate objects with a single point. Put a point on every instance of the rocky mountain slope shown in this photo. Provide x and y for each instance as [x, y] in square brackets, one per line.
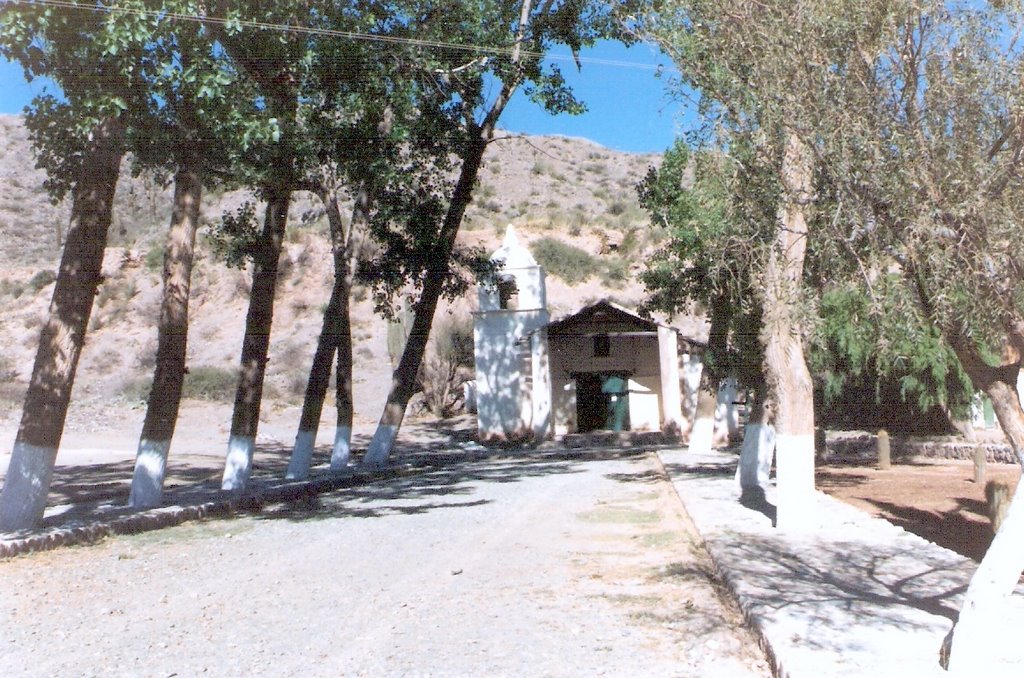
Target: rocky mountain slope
[566, 190]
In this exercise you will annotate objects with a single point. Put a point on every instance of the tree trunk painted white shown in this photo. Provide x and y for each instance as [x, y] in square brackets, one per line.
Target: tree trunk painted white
[23, 499]
[404, 376]
[794, 477]
[726, 416]
[302, 455]
[172, 338]
[238, 464]
[1000, 570]
[26, 485]
[341, 452]
[756, 458]
[381, 445]
[245, 417]
[752, 474]
[702, 434]
[148, 476]
[789, 382]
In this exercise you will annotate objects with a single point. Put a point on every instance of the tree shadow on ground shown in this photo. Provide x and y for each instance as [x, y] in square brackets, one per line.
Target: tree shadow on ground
[440, 461]
[841, 583]
[435, 479]
[951, 529]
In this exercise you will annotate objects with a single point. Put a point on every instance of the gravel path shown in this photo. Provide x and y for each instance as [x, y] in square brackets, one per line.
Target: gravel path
[540, 565]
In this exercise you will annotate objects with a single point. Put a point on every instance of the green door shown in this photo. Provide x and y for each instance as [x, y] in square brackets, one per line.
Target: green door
[616, 391]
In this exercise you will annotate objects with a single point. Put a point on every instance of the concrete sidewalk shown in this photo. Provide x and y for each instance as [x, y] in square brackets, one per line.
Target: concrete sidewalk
[855, 597]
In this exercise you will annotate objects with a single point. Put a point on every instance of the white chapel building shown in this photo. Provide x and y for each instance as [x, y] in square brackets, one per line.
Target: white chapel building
[602, 368]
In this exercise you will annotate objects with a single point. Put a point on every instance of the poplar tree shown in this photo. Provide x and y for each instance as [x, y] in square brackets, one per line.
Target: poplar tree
[205, 121]
[80, 141]
[514, 36]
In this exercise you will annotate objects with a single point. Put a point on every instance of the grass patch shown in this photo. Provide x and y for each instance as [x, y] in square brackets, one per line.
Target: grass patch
[657, 540]
[619, 515]
[154, 259]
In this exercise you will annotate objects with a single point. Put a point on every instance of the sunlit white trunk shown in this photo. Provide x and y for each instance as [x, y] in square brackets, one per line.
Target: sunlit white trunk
[404, 376]
[302, 456]
[238, 465]
[1000, 570]
[341, 452]
[755, 465]
[380, 446]
[26, 484]
[702, 434]
[794, 461]
[789, 382]
[23, 498]
[150, 469]
[172, 339]
[245, 417]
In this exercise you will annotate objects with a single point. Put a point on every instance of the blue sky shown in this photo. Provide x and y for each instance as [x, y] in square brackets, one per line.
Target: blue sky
[628, 107]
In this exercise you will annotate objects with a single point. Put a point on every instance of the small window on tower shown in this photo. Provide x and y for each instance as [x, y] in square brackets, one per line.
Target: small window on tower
[508, 294]
[602, 346]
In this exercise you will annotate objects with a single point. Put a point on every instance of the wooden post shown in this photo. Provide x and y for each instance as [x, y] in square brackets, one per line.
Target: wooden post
[884, 456]
[997, 502]
[979, 463]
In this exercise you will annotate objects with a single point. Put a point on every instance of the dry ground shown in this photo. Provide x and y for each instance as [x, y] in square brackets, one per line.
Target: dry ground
[497, 565]
[937, 500]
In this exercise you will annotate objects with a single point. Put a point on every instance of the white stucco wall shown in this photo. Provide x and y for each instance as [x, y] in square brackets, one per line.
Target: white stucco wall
[503, 399]
[645, 404]
[635, 356]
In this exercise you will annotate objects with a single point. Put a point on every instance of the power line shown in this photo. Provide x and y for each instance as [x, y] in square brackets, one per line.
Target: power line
[334, 33]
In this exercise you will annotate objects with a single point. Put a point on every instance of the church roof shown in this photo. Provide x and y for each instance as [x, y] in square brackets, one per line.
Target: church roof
[605, 314]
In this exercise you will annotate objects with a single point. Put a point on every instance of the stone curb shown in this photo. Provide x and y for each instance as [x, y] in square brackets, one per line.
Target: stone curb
[169, 516]
[754, 621]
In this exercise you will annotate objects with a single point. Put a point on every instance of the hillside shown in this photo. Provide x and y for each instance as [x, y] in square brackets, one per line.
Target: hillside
[566, 190]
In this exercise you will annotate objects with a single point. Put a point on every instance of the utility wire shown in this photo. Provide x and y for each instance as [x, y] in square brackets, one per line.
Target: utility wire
[329, 32]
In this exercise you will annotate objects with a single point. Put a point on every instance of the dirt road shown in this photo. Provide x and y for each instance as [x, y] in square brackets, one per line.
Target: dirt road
[496, 566]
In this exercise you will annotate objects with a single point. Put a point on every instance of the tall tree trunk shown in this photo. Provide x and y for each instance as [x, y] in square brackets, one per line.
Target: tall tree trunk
[246, 416]
[703, 432]
[1000, 570]
[786, 374]
[344, 399]
[335, 337]
[403, 379]
[165, 395]
[23, 499]
[756, 452]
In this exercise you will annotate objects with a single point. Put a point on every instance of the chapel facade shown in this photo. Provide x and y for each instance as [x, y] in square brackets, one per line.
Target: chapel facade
[601, 368]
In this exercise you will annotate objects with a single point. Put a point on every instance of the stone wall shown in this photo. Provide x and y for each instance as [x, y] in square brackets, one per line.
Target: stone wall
[862, 447]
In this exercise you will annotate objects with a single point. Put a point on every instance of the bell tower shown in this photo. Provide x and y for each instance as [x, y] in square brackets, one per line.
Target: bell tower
[511, 348]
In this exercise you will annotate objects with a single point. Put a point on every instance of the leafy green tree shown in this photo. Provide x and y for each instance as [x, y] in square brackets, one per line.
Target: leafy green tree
[202, 120]
[705, 262]
[911, 112]
[79, 141]
[468, 108]
[277, 63]
[729, 53]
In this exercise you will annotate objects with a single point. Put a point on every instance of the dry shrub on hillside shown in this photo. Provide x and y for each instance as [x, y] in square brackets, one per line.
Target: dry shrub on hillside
[566, 261]
[447, 366]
